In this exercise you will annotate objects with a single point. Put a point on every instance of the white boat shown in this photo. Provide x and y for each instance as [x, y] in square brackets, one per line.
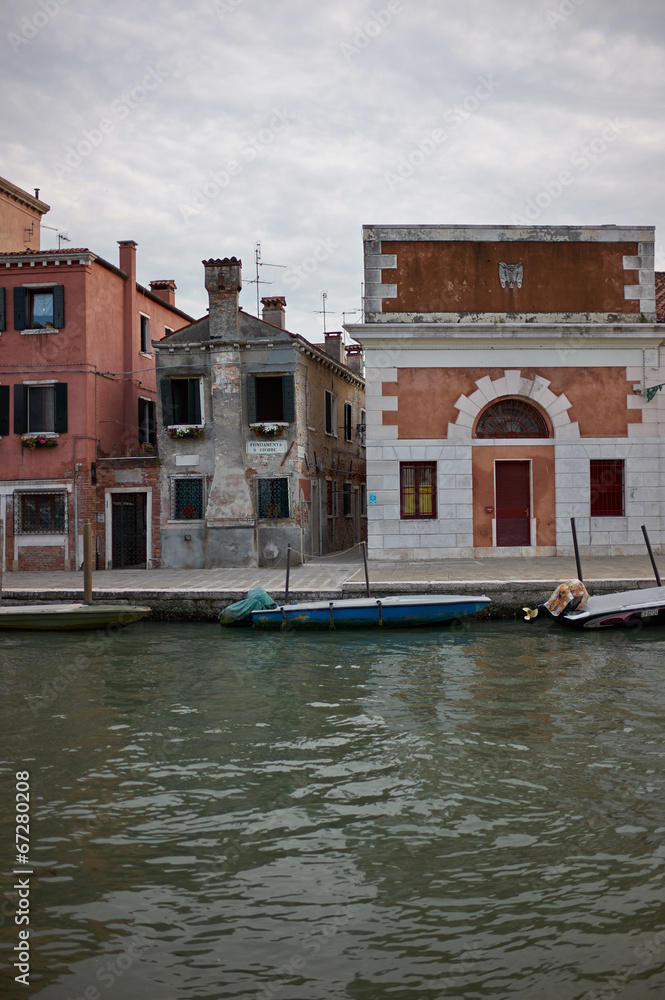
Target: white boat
[625, 609]
[69, 617]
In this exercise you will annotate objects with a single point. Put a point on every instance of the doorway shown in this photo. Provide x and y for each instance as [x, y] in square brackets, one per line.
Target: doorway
[129, 530]
[513, 503]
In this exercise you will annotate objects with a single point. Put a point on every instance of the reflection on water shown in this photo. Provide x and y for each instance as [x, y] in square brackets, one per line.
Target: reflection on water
[475, 813]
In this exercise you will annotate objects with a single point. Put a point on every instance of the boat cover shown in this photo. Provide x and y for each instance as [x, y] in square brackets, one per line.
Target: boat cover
[256, 600]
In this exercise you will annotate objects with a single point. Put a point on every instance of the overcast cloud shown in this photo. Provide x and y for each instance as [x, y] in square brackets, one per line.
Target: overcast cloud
[199, 129]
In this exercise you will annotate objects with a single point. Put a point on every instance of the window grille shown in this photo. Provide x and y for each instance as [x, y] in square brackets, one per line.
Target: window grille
[40, 513]
[273, 497]
[417, 489]
[511, 418]
[187, 498]
[607, 487]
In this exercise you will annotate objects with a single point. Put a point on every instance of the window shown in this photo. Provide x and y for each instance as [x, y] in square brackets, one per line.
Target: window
[181, 401]
[607, 487]
[147, 421]
[347, 497]
[40, 408]
[348, 410]
[362, 426]
[145, 334]
[40, 513]
[3, 310]
[332, 498]
[417, 489]
[270, 398]
[187, 498]
[167, 331]
[4, 410]
[41, 308]
[511, 418]
[331, 412]
[273, 497]
[363, 500]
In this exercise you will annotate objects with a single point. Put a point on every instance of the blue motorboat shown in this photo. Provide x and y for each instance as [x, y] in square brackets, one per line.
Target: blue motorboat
[363, 612]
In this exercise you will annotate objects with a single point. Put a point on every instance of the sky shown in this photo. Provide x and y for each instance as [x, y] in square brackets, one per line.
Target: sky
[202, 129]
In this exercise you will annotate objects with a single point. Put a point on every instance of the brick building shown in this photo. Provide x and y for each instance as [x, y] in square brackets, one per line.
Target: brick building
[261, 436]
[77, 406]
[511, 385]
[20, 218]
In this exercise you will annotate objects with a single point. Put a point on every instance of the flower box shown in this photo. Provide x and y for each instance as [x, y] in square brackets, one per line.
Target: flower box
[269, 428]
[176, 433]
[38, 441]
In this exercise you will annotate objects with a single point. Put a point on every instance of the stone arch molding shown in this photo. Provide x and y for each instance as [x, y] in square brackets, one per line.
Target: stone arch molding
[511, 383]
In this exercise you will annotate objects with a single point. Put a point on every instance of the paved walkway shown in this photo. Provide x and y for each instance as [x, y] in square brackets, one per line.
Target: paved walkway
[340, 574]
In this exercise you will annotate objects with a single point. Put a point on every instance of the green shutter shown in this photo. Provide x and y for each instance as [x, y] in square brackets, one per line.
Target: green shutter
[20, 414]
[19, 309]
[194, 401]
[3, 312]
[288, 399]
[4, 410]
[59, 307]
[60, 422]
[251, 399]
[167, 402]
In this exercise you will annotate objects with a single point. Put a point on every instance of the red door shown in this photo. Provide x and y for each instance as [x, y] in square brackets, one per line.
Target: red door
[513, 506]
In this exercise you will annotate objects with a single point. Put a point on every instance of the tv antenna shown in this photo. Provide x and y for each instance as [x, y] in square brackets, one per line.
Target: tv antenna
[257, 281]
[61, 236]
[324, 311]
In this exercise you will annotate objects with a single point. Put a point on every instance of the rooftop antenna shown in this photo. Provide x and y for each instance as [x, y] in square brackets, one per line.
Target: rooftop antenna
[324, 296]
[257, 281]
[61, 236]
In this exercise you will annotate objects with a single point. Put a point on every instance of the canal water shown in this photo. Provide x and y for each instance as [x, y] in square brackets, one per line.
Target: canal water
[475, 812]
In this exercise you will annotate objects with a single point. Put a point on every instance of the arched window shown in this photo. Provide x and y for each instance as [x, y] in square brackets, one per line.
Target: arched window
[511, 418]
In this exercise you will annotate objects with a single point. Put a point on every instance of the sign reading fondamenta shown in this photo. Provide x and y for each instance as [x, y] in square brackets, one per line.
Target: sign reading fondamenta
[266, 447]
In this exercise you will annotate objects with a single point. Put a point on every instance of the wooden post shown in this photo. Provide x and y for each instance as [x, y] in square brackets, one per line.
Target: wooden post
[577, 551]
[653, 561]
[364, 548]
[87, 562]
[288, 568]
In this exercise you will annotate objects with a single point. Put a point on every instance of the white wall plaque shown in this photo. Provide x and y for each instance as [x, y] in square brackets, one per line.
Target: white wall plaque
[266, 447]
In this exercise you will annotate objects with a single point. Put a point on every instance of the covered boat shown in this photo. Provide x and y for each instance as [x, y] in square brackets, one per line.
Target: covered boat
[361, 612]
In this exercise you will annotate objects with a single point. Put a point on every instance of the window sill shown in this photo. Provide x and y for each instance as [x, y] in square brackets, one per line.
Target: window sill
[180, 521]
[40, 329]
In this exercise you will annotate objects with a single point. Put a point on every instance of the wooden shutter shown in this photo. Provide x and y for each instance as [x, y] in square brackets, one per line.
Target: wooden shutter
[59, 307]
[4, 410]
[288, 399]
[20, 410]
[193, 401]
[60, 421]
[20, 322]
[167, 402]
[3, 312]
[251, 399]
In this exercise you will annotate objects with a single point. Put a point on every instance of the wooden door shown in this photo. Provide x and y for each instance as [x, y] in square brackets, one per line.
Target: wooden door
[513, 503]
[129, 529]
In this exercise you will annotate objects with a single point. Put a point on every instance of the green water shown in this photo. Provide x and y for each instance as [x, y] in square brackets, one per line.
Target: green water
[465, 813]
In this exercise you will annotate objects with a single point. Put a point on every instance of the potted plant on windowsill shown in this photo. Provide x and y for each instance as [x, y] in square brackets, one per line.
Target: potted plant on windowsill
[33, 441]
[269, 428]
[176, 433]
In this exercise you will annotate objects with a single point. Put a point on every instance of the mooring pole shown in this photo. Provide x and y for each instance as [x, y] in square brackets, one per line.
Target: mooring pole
[87, 562]
[653, 561]
[577, 550]
[288, 569]
[364, 548]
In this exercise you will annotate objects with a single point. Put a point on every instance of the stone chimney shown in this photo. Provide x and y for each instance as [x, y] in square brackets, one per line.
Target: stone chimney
[334, 347]
[354, 358]
[165, 290]
[223, 283]
[128, 258]
[273, 311]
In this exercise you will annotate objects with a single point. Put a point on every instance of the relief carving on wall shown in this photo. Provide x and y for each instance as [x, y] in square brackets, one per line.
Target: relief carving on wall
[511, 274]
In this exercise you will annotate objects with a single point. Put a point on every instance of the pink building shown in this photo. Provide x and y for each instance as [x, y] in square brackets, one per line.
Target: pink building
[77, 406]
